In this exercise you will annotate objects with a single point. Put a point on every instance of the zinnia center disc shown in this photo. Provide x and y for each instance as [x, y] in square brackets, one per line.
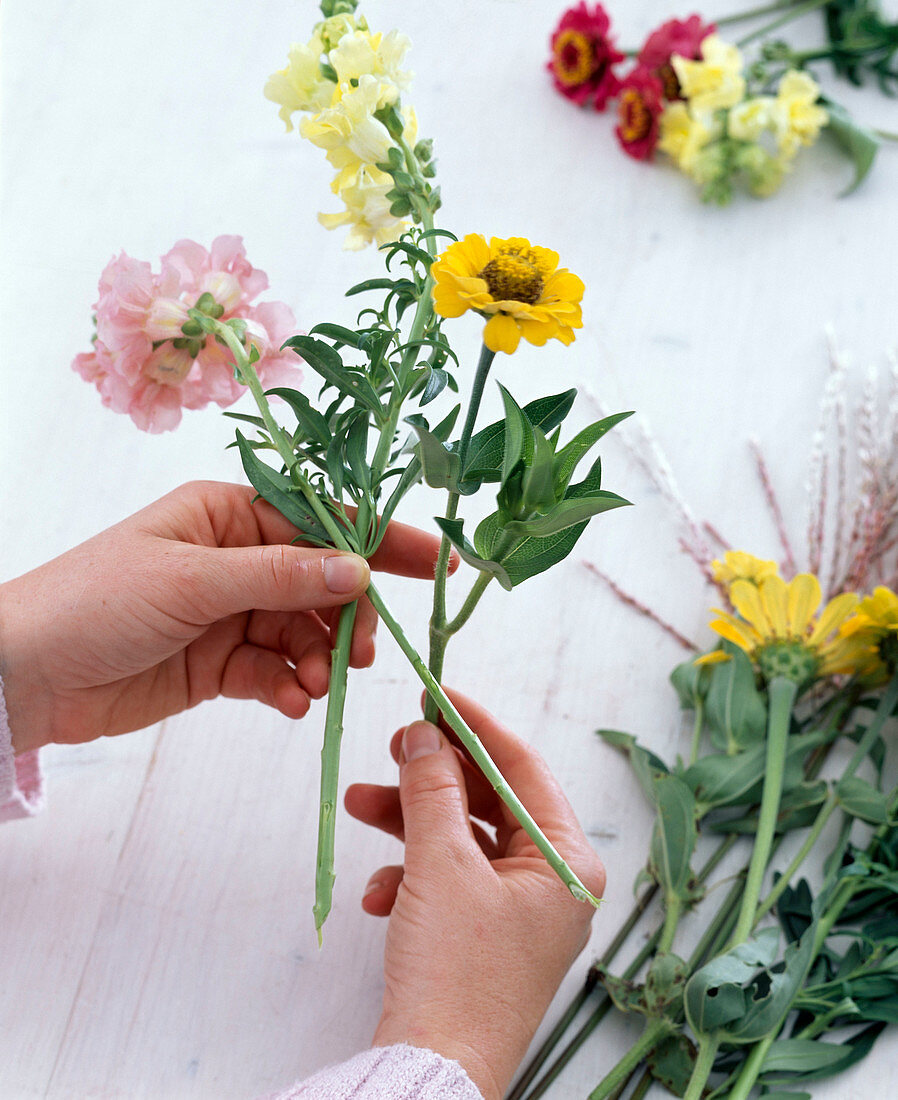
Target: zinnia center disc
[513, 278]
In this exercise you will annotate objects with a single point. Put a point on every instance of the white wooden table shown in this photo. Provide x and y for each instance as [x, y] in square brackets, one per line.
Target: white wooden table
[156, 938]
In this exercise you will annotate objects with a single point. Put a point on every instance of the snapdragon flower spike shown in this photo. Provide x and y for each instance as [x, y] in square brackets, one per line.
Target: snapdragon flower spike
[151, 359]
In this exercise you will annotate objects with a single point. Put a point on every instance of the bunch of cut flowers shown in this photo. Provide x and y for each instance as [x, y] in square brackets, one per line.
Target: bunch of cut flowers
[723, 118]
[339, 459]
[789, 784]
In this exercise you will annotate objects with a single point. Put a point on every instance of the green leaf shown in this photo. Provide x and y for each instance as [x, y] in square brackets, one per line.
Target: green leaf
[861, 799]
[801, 1055]
[327, 362]
[452, 529]
[339, 333]
[565, 514]
[437, 380]
[664, 983]
[256, 421]
[377, 284]
[690, 681]
[279, 491]
[570, 455]
[735, 709]
[357, 452]
[519, 443]
[313, 424]
[538, 483]
[860, 144]
[647, 766]
[674, 836]
[485, 451]
[672, 1062]
[721, 780]
[440, 465]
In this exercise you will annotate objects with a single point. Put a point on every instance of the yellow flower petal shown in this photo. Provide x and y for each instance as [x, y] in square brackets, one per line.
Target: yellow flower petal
[835, 612]
[746, 599]
[741, 634]
[804, 599]
[502, 334]
[773, 597]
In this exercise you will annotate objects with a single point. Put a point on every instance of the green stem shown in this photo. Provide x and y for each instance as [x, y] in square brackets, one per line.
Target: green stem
[754, 13]
[438, 638]
[643, 1085]
[479, 755]
[697, 727]
[651, 1036]
[794, 12]
[673, 910]
[330, 766]
[884, 710]
[781, 695]
[751, 1068]
[467, 608]
[704, 1063]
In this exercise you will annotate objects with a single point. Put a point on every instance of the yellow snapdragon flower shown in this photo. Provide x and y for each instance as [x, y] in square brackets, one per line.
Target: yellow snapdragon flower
[367, 211]
[797, 118]
[300, 86]
[715, 81]
[748, 120]
[362, 53]
[682, 135]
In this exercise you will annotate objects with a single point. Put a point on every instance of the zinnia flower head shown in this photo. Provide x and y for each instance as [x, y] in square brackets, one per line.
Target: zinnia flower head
[584, 56]
[677, 36]
[519, 287]
[875, 624]
[639, 106]
[150, 360]
[778, 625]
[739, 566]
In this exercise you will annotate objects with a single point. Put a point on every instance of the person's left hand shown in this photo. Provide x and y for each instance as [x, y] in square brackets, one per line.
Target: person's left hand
[198, 595]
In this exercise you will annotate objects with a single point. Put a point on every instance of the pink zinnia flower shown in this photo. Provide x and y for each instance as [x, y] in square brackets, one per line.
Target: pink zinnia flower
[639, 106]
[143, 362]
[583, 56]
[678, 36]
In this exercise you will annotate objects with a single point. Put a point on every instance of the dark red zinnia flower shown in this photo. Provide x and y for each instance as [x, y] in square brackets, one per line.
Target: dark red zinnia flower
[583, 56]
[683, 37]
[639, 106]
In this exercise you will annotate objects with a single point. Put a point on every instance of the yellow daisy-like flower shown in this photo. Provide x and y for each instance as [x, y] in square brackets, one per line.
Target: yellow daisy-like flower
[714, 82]
[778, 625]
[518, 286]
[739, 566]
[797, 118]
[875, 626]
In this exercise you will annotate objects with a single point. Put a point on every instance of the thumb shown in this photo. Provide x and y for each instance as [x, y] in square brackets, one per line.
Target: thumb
[224, 581]
[434, 799]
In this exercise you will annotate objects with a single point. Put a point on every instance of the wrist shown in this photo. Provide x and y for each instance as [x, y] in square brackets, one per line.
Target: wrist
[21, 683]
[478, 1068]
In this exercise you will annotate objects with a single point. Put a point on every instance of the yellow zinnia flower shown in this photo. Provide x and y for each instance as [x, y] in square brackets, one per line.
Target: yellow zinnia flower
[778, 626]
[875, 627]
[517, 285]
[739, 566]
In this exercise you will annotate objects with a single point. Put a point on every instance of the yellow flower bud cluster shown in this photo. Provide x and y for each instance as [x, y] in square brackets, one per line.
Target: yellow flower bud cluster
[717, 132]
[343, 80]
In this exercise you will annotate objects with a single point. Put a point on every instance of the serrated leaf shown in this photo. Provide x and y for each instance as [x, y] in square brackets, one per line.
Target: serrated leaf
[570, 455]
[861, 799]
[453, 530]
[860, 144]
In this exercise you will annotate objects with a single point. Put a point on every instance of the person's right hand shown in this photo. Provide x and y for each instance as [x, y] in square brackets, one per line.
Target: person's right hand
[481, 930]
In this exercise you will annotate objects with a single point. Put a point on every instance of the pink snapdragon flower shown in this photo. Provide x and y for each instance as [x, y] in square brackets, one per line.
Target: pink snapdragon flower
[143, 361]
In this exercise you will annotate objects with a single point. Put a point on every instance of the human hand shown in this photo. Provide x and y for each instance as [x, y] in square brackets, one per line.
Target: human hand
[197, 595]
[481, 930]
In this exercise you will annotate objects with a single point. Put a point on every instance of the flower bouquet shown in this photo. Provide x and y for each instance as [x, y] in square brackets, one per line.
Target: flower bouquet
[338, 461]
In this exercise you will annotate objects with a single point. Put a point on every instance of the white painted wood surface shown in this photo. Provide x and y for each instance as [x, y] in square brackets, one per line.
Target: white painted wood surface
[156, 938]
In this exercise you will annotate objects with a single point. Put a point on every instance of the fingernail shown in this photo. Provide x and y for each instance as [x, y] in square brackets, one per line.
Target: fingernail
[374, 884]
[345, 573]
[420, 739]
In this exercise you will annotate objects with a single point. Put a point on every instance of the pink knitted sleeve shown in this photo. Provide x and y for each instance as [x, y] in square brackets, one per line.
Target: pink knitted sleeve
[387, 1073]
[21, 782]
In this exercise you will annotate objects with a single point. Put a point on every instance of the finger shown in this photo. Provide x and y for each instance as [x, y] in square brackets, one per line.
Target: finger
[361, 654]
[302, 638]
[255, 673]
[377, 806]
[380, 893]
[409, 552]
[438, 830]
[214, 583]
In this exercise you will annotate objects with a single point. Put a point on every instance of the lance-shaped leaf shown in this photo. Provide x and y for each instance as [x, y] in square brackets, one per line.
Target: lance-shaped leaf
[860, 144]
[567, 513]
[357, 452]
[861, 799]
[519, 443]
[279, 491]
[647, 766]
[440, 465]
[690, 681]
[674, 835]
[538, 483]
[313, 424]
[735, 710]
[567, 459]
[452, 529]
[487, 447]
[328, 363]
[339, 334]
